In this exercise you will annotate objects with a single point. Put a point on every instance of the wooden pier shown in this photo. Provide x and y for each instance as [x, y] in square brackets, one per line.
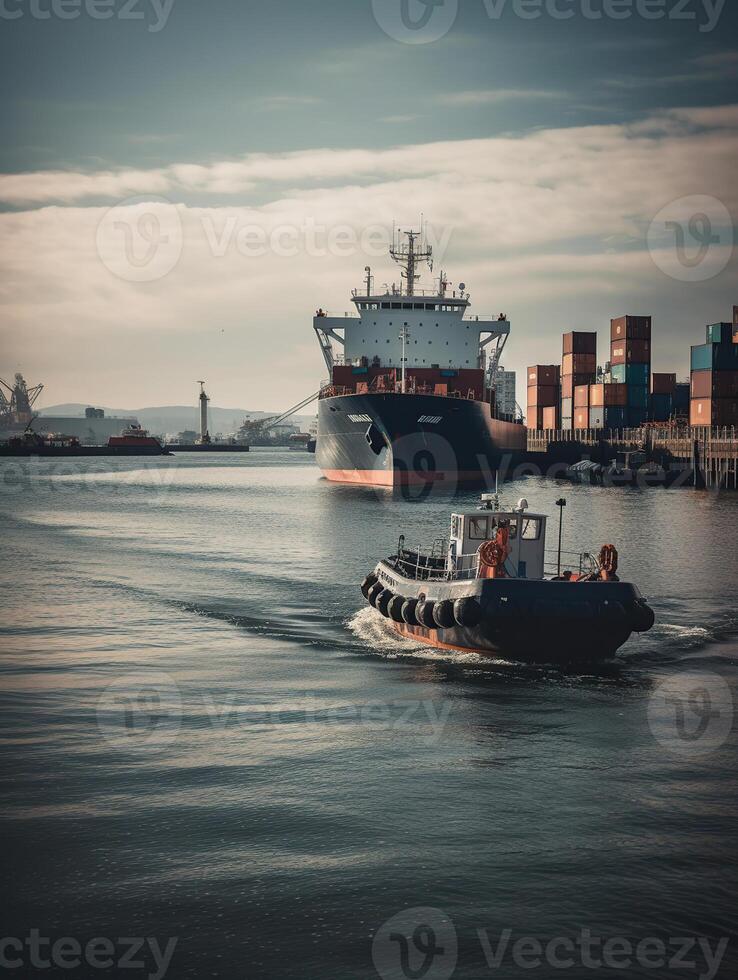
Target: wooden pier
[710, 456]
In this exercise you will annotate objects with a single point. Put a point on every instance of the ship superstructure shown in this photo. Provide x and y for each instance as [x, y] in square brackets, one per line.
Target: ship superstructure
[411, 377]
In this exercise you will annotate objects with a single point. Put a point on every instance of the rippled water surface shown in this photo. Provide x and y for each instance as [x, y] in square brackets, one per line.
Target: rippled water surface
[206, 735]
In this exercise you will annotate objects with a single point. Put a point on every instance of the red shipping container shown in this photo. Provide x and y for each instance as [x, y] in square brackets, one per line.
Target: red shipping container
[637, 327]
[735, 316]
[630, 352]
[713, 411]
[581, 396]
[578, 364]
[543, 374]
[580, 342]
[543, 396]
[571, 381]
[663, 384]
[714, 384]
[534, 418]
[551, 417]
[611, 395]
[581, 418]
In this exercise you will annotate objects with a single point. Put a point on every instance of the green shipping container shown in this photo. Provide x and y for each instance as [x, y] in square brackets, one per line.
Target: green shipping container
[630, 374]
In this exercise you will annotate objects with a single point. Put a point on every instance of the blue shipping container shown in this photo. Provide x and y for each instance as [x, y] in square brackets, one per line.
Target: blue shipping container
[630, 374]
[720, 333]
[723, 357]
[616, 417]
[662, 407]
[636, 417]
[637, 396]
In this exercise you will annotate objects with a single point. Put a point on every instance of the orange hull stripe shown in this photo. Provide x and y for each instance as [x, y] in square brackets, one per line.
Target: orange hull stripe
[393, 478]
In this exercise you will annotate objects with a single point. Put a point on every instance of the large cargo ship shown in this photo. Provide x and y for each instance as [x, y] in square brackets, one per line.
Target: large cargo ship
[410, 395]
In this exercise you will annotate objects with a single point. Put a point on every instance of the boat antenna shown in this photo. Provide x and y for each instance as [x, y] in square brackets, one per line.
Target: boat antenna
[560, 503]
[408, 255]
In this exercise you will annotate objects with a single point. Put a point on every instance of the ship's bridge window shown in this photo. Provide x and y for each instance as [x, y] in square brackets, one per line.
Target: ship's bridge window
[531, 528]
[478, 528]
[397, 306]
[430, 306]
[385, 306]
[417, 306]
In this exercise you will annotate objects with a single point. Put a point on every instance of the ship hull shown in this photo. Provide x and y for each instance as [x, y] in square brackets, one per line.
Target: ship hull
[395, 440]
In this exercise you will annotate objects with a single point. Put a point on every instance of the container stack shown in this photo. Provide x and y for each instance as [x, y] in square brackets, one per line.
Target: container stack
[681, 400]
[544, 394]
[579, 367]
[608, 406]
[630, 357]
[714, 378]
[581, 407]
[735, 324]
[663, 391]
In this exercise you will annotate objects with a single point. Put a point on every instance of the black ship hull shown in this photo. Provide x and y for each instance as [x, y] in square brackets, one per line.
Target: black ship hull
[394, 440]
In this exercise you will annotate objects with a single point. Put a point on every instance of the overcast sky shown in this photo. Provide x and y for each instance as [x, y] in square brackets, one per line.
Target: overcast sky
[180, 190]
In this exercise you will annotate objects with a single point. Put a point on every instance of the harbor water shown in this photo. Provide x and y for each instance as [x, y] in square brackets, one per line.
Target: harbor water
[210, 740]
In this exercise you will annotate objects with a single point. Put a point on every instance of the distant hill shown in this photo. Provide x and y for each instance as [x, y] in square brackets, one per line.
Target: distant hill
[176, 418]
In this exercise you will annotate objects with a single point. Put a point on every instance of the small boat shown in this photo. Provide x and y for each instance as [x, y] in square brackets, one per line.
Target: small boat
[489, 588]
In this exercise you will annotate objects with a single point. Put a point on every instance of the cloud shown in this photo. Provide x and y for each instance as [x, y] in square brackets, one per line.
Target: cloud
[544, 225]
[480, 97]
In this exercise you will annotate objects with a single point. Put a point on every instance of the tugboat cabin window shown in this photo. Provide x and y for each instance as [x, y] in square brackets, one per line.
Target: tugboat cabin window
[478, 528]
[531, 528]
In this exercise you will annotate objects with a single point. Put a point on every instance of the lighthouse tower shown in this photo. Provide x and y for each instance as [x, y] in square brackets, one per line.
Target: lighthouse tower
[204, 434]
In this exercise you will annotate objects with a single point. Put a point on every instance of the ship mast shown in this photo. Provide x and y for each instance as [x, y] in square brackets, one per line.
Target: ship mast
[407, 255]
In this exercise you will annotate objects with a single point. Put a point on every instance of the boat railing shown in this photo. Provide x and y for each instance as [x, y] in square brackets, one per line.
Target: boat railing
[435, 564]
[571, 562]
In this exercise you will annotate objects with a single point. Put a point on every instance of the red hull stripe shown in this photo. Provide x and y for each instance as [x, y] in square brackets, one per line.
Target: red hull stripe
[430, 637]
[395, 478]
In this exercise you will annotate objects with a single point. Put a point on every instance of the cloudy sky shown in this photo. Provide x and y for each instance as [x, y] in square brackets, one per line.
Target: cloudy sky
[183, 182]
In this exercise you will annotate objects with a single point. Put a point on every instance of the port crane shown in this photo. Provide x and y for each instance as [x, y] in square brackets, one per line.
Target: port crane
[18, 408]
[254, 427]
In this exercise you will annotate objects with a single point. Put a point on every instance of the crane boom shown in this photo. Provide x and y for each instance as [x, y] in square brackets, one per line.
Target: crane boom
[252, 426]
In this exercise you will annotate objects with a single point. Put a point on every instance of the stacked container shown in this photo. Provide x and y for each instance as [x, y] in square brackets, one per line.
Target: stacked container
[735, 324]
[681, 399]
[663, 389]
[630, 357]
[714, 378]
[581, 407]
[608, 406]
[544, 393]
[579, 367]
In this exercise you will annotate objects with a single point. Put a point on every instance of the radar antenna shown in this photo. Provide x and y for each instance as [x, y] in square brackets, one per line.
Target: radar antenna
[408, 254]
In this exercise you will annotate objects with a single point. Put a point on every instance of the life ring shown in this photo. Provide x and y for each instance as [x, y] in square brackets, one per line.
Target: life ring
[608, 561]
[492, 555]
[467, 611]
[367, 584]
[443, 614]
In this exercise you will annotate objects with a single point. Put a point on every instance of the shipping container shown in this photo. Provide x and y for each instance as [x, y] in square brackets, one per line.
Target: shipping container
[578, 364]
[723, 357]
[663, 384]
[597, 417]
[637, 396]
[630, 374]
[714, 384]
[735, 316]
[543, 374]
[719, 333]
[631, 351]
[551, 417]
[581, 396]
[581, 418]
[616, 417]
[543, 396]
[567, 407]
[580, 342]
[534, 418]
[636, 417]
[566, 422]
[637, 327]
[612, 394]
[681, 398]
[571, 381]
[662, 407]
[714, 411]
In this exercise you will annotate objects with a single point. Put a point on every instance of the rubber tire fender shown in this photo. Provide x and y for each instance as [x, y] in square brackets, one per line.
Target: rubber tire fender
[383, 601]
[467, 611]
[443, 614]
[409, 608]
[394, 608]
[367, 584]
[373, 593]
[424, 613]
[643, 617]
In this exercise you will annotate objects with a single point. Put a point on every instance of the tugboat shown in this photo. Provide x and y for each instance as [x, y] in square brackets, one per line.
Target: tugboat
[487, 588]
